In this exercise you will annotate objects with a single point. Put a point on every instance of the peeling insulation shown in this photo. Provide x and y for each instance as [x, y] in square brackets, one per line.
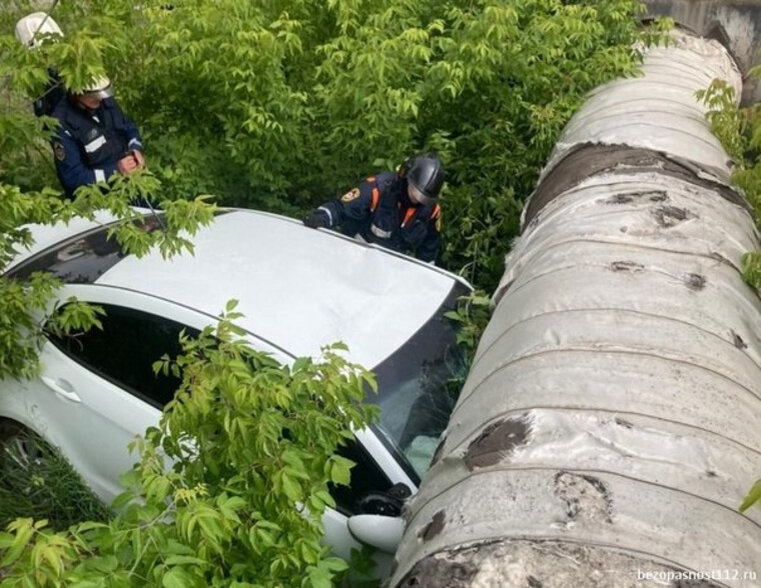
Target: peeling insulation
[611, 422]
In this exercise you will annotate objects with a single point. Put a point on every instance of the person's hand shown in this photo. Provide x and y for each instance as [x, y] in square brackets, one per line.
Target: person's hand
[139, 159]
[127, 164]
[317, 219]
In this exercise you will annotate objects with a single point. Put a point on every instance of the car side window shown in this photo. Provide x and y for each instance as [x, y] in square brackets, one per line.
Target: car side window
[366, 478]
[124, 351]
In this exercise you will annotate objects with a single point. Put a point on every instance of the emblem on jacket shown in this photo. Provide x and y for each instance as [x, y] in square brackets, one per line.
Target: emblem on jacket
[59, 151]
[351, 195]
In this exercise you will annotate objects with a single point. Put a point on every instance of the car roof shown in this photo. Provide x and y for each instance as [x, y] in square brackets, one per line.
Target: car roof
[297, 287]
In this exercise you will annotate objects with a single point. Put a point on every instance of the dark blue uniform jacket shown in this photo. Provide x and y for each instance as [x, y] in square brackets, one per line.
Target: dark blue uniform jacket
[380, 211]
[88, 146]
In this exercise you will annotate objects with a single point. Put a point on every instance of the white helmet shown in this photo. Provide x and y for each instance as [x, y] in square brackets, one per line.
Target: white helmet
[100, 86]
[29, 28]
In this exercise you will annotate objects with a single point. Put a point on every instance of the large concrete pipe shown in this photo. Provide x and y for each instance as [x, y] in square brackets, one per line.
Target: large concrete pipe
[736, 23]
[611, 423]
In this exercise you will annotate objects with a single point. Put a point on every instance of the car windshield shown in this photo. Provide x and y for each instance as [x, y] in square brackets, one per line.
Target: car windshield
[418, 386]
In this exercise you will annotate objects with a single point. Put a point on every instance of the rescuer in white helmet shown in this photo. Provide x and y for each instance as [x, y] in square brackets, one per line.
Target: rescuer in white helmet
[94, 138]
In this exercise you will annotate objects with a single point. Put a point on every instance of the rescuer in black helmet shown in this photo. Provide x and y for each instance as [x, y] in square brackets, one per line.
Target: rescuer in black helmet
[398, 210]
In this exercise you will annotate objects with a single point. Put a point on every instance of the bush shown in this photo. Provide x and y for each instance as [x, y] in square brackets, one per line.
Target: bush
[231, 485]
[283, 105]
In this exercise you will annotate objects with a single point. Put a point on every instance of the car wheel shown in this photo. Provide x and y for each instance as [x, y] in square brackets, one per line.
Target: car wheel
[20, 446]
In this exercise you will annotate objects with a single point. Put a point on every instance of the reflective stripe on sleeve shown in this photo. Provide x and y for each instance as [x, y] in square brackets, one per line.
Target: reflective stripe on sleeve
[100, 175]
[378, 232]
[408, 216]
[327, 211]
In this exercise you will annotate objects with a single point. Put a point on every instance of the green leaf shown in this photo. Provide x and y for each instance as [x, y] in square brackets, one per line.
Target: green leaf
[340, 471]
[174, 560]
[264, 537]
[753, 497]
[326, 498]
[291, 487]
[335, 564]
[90, 525]
[23, 532]
[175, 578]
[320, 578]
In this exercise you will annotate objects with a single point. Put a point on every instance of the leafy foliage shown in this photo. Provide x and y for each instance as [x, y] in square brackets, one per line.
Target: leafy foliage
[362, 572]
[26, 174]
[282, 105]
[472, 315]
[24, 303]
[231, 485]
[739, 130]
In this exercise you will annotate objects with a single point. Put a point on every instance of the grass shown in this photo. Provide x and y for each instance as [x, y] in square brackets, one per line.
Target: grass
[36, 481]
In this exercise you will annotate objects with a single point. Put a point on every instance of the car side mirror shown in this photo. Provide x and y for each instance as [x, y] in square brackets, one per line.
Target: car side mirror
[387, 503]
[383, 533]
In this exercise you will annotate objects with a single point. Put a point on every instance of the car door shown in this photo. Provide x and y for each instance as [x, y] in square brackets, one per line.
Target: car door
[97, 389]
[90, 417]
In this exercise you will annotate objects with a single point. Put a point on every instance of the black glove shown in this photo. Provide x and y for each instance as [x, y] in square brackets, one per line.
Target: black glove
[317, 219]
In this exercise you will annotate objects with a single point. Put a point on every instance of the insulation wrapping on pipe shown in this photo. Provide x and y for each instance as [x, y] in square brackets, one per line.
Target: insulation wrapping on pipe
[611, 422]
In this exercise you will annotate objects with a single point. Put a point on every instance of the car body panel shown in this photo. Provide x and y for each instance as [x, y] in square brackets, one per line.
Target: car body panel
[298, 290]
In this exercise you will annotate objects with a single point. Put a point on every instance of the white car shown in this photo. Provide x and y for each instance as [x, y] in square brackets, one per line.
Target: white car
[298, 289]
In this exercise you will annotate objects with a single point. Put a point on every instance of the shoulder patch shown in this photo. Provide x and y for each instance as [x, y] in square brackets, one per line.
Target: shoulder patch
[350, 195]
[59, 151]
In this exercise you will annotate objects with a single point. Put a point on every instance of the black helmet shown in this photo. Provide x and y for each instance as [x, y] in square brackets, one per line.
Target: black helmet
[426, 173]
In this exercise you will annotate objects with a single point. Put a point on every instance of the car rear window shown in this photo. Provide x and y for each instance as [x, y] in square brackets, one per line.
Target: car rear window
[81, 259]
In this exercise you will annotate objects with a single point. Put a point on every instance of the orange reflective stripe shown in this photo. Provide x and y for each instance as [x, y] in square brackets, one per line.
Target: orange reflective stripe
[436, 212]
[408, 216]
[376, 197]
